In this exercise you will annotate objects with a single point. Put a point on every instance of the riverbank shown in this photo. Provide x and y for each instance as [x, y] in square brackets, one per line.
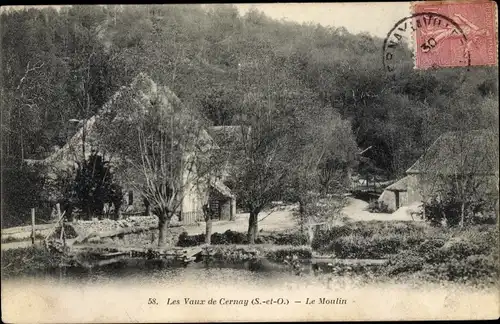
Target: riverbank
[404, 250]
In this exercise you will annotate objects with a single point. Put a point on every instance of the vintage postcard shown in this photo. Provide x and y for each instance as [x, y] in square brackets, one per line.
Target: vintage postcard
[250, 162]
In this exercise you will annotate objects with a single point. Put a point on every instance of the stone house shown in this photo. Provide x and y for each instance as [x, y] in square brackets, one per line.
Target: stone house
[85, 141]
[454, 154]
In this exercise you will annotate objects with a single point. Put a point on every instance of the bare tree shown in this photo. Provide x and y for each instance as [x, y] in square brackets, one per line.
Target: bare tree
[159, 143]
[459, 170]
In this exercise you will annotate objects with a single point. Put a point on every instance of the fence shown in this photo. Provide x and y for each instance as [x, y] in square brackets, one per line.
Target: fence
[190, 218]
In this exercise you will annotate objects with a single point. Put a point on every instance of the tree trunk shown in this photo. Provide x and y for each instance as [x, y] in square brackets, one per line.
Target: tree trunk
[147, 212]
[117, 210]
[208, 229]
[22, 148]
[252, 226]
[462, 215]
[233, 210]
[88, 211]
[301, 214]
[163, 222]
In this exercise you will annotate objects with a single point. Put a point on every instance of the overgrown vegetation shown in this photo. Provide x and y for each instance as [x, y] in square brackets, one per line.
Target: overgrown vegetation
[414, 249]
[33, 260]
[448, 212]
[378, 206]
[64, 65]
[22, 189]
[93, 186]
[232, 237]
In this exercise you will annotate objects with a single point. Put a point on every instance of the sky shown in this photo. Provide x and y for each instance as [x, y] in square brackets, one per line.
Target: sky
[374, 18]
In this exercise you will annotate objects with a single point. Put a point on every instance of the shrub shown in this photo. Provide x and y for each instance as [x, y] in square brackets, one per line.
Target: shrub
[94, 186]
[232, 237]
[289, 238]
[369, 239]
[288, 252]
[460, 249]
[457, 255]
[431, 251]
[377, 206]
[406, 261]
[186, 240]
[30, 260]
[449, 209]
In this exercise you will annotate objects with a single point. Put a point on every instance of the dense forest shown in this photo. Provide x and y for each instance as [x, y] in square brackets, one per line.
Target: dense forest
[63, 65]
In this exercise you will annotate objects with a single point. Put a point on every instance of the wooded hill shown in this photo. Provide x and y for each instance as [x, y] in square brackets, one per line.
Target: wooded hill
[62, 65]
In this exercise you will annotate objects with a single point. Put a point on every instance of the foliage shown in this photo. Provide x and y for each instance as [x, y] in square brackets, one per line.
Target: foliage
[231, 237]
[94, 186]
[22, 190]
[162, 149]
[317, 210]
[448, 210]
[77, 56]
[30, 260]
[378, 206]
[427, 253]
[282, 254]
[374, 239]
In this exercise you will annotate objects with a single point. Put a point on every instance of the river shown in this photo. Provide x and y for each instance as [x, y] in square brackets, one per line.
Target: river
[138, 290]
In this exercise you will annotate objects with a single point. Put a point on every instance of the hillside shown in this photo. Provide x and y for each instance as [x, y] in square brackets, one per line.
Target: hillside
[65, 65]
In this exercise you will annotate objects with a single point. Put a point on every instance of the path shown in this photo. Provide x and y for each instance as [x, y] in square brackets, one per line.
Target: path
[355, 210]
[277, 221]
[18, 245]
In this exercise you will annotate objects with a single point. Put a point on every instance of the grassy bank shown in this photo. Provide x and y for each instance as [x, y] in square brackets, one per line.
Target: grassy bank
[27, 261]
[413, 250]
[276, 253]
[231, 237]
[416, 250]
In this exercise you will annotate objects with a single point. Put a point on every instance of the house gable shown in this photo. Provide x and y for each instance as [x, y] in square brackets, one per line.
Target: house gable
[474, 152]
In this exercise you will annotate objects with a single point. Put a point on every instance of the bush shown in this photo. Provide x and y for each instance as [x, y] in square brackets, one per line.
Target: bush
[232, 237]
[94, 185]
[186, 240]
[460, 249]
[285, 253]
[369, 239]
[465, 256]
[377, 206]
[449, 210]
[406, 261]
[288, 238]
[27, 261]
[431, 251]
[437, 211]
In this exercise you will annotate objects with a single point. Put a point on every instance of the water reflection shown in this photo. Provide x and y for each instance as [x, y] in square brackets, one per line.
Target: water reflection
[164, 272]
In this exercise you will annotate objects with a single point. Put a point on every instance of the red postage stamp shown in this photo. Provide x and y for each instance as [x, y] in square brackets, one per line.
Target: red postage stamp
[459, 33]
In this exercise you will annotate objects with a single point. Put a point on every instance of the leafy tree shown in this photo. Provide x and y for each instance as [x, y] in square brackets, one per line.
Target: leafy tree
[94, 186]
[22, 189]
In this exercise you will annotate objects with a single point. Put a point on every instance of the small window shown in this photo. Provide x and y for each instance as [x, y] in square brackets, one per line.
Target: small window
[130, 197]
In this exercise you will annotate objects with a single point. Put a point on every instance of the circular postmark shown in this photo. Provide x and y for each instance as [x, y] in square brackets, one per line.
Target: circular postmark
[427, 40]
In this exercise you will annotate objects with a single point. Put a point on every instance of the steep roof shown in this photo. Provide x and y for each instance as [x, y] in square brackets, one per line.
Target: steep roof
[400, 185]
[145, 89]
[221, 188]
[474, 152]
